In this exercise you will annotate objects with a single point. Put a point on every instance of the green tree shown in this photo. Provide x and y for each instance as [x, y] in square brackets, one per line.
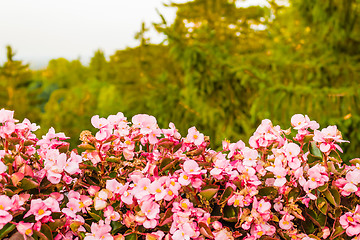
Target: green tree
[18, 88]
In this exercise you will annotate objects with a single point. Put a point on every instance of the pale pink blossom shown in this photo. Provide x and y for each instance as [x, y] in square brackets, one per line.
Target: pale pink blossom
[25, 228]
[194, 136]
[285, 222]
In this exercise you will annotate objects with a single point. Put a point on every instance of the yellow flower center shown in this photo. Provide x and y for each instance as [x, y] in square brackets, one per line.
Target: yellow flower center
[184, 205]
[350, 219]
[196, 136]
[41, 212]
[170, 192]
[313, 179]
[236, 202]
[158, 190]
[185, 177]
[1, 207]
[28, 231]
[81, 204]
[260, 233]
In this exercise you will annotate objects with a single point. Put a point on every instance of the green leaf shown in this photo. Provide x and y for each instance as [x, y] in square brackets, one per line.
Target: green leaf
[355, 161]
[323, 188]
[209, 191]
[132, 236]
[230, 214]
[113, 159]
[293, 194]
[57, 223]
[226, 194]
[177, 147]
[116, 226]
[164, 162]
[166, 217]
[45, 229]
[86, 146]
[308, 226]
[112, 175]
[317, 219]
[315, 237]
[335, 157]
[205, 230]
[6, 230]
[27, 184]
[333, 196]
[312, 161]
[322, 205]
[75, 226]
[270, 192]
[40, 235]
[95, 216]
[315, 151]
[337, 231]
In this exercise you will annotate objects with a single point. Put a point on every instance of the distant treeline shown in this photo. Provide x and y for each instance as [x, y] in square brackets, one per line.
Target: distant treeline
[221, 68]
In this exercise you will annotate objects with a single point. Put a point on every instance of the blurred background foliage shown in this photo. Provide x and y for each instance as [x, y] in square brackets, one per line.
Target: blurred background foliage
[221, 68]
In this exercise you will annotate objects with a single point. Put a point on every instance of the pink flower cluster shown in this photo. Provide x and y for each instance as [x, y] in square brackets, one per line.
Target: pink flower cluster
[135, 180]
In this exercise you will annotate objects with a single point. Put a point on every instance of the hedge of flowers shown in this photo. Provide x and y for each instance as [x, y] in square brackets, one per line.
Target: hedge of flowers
[133, 180]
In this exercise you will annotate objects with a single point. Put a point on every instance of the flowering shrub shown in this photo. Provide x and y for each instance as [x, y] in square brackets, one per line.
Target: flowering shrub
[134, 180]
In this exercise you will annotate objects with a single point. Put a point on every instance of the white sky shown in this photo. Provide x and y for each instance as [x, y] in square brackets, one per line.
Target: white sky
[40, 30]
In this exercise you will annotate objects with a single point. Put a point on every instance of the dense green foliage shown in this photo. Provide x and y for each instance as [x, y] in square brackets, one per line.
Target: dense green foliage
[222, 68]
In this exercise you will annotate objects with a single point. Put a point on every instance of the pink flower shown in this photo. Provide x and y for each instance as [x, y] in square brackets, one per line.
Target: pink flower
[25, 228]
[142, 188]
[145, 122]
[194, 136]
[39, 209]
[285, 222]
[191, 167]
[250, 157]
[279, 174]
[263, 206]
[111, 215]
[6, 115]
[317, 177]
[5, 203]
[327, 138]
[5, 217]
[99, 231]
[299, 121]
[3, 167]
[99, 123]
[115, 187]
[184, 179]
[92, 190]
[156, 188]
[151, 209]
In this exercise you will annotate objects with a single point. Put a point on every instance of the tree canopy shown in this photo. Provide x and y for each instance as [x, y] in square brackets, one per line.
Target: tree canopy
[221, 68]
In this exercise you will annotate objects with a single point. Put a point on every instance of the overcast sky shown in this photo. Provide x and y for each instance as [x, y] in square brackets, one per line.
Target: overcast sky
[40, 30]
